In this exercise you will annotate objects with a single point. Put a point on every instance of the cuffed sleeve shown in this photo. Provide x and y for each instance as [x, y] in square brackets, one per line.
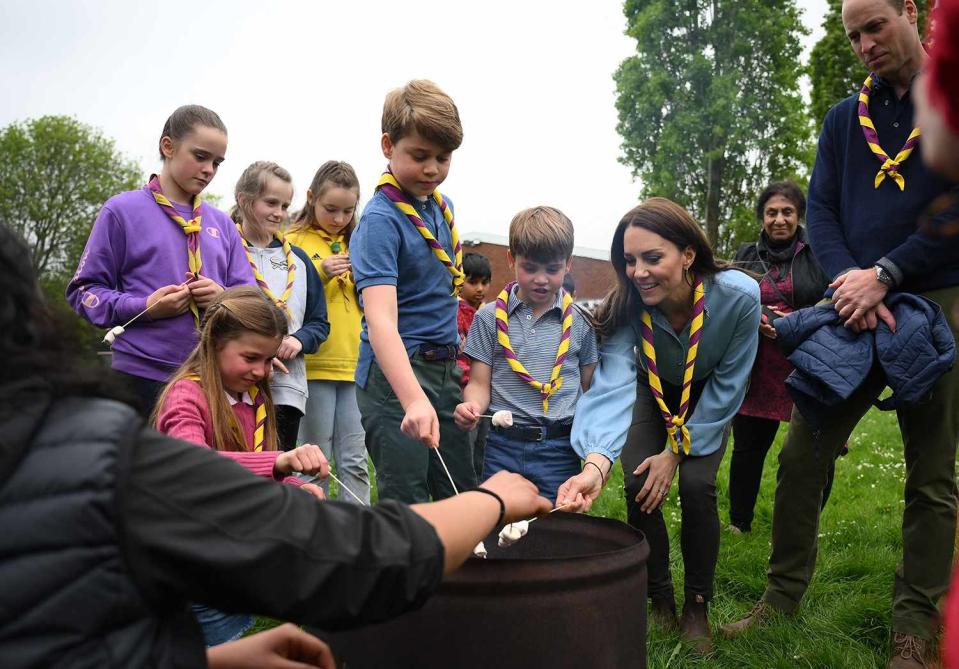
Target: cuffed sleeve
[604, 412]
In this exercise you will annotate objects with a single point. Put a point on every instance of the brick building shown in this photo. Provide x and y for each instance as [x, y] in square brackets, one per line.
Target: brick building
[591, 269]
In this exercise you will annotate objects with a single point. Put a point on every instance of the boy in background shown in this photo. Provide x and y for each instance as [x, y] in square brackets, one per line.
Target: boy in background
[478, 273]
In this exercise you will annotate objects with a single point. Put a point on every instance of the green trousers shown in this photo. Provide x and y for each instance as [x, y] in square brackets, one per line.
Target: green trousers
[406, 469]
[930, 432]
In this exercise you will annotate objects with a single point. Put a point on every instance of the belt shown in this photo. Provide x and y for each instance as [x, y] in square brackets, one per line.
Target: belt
[438, 352]
[536, 432]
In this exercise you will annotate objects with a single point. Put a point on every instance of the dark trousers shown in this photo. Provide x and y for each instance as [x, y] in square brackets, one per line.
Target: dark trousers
[930, 432]
[146, 391]
[287, 425]
[406, 470]
[699, 535]
[752, 439]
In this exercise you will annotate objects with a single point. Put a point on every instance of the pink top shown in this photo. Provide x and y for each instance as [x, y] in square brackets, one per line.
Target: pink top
[185, 414]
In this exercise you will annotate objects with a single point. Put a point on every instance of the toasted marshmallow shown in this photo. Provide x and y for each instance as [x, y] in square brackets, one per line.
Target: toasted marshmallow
[503, 419]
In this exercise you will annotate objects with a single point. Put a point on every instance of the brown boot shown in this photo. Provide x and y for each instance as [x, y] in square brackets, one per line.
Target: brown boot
[663, 613]
[908, 652]
[694, 625]
[757, 617]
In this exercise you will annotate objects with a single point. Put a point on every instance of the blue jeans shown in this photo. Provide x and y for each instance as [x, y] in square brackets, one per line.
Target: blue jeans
[547, 463]
[219, 627]
[332, 422]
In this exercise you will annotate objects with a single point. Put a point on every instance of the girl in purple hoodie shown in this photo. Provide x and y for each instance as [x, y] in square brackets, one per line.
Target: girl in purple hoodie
[162, 252]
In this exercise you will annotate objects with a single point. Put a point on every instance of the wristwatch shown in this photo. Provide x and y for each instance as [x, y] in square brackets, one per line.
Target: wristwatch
[884, 277]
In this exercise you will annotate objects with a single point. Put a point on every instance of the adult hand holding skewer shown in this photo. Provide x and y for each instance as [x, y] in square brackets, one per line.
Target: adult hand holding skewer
[580, 491]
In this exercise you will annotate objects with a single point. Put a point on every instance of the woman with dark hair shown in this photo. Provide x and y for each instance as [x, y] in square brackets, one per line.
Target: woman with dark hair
[110, 528]
[679, 335]
[789, 279]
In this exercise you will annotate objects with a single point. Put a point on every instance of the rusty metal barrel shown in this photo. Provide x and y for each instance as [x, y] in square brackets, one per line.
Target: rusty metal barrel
[572, 593]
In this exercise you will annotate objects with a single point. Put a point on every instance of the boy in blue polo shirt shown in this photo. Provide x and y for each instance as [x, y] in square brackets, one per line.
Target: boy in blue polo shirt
[407, 265]
[533, 352]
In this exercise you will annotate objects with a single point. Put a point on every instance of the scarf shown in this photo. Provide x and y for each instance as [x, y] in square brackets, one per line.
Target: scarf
[391, 188]
[337, 246]
[259, 413]
[890, 166]
[190, 228]
[261, 281]
[676, 430]
[547, 389]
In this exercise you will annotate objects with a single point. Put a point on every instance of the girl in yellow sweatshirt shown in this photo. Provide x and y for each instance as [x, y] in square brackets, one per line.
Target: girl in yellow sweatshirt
[332, 421]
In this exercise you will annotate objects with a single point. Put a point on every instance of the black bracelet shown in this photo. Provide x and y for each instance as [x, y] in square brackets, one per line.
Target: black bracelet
[502, 504]
[602, 477]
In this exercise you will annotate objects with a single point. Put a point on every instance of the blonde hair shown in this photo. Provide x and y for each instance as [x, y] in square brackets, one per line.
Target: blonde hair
[234, 313]
[542, 234]
[423, 107]
[251, 184]
[331, 173]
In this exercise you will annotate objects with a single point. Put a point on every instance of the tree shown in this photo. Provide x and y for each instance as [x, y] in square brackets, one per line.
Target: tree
[55, 174]
[834, 71]
[709, 106]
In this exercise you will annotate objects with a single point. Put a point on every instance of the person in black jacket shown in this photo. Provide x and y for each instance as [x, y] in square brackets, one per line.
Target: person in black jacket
[110, 528]
[789, 279]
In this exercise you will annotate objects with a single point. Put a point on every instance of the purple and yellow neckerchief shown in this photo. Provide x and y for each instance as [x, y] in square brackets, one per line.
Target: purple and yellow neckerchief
[676, 430]
[547, 389]
[280, 301]
[190, 228]
[392, 189]
[336, 244]
[259, 414]
[890, 166]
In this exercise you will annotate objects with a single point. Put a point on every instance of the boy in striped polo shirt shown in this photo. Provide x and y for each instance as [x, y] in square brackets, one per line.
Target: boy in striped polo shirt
[533, 352]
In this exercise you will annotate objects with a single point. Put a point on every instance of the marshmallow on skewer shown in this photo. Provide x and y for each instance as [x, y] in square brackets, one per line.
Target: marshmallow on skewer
[513, 532]
[502, 419]
[112, 335]
[480, 550]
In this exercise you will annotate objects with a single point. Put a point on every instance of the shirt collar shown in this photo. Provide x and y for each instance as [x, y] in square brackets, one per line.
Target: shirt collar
[514, 302]
[246, 399]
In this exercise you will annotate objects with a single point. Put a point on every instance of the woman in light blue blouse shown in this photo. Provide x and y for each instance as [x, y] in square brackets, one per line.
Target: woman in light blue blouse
[661, 257]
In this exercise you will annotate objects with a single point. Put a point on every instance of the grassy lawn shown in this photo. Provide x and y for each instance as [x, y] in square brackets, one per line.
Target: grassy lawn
[845, 617]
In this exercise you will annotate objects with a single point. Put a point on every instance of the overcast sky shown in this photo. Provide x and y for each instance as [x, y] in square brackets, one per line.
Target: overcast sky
[303, 82]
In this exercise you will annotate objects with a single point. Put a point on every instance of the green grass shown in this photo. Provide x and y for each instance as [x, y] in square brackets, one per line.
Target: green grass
[845, 617]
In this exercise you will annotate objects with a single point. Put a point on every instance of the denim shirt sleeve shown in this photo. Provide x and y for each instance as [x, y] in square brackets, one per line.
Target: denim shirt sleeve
[726, 387]
[604, 412]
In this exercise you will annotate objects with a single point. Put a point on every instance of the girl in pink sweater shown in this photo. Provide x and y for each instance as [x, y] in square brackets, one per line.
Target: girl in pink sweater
[220, 399]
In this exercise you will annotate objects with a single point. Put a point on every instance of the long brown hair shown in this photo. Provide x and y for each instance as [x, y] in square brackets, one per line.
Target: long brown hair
[234, 313]
[674, 224]
[331, 173]
[251, 184]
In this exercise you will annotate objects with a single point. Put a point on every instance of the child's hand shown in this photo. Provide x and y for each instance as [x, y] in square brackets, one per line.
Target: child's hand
[336, 265]
[421, 423]
[314, 490]
[283, 646]
[289, 348]
[308, 459]
[168, 301]
[467, 415]
[203, 290]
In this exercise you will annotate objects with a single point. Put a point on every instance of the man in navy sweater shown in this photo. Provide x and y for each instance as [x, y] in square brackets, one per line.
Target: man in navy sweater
[865, 196]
